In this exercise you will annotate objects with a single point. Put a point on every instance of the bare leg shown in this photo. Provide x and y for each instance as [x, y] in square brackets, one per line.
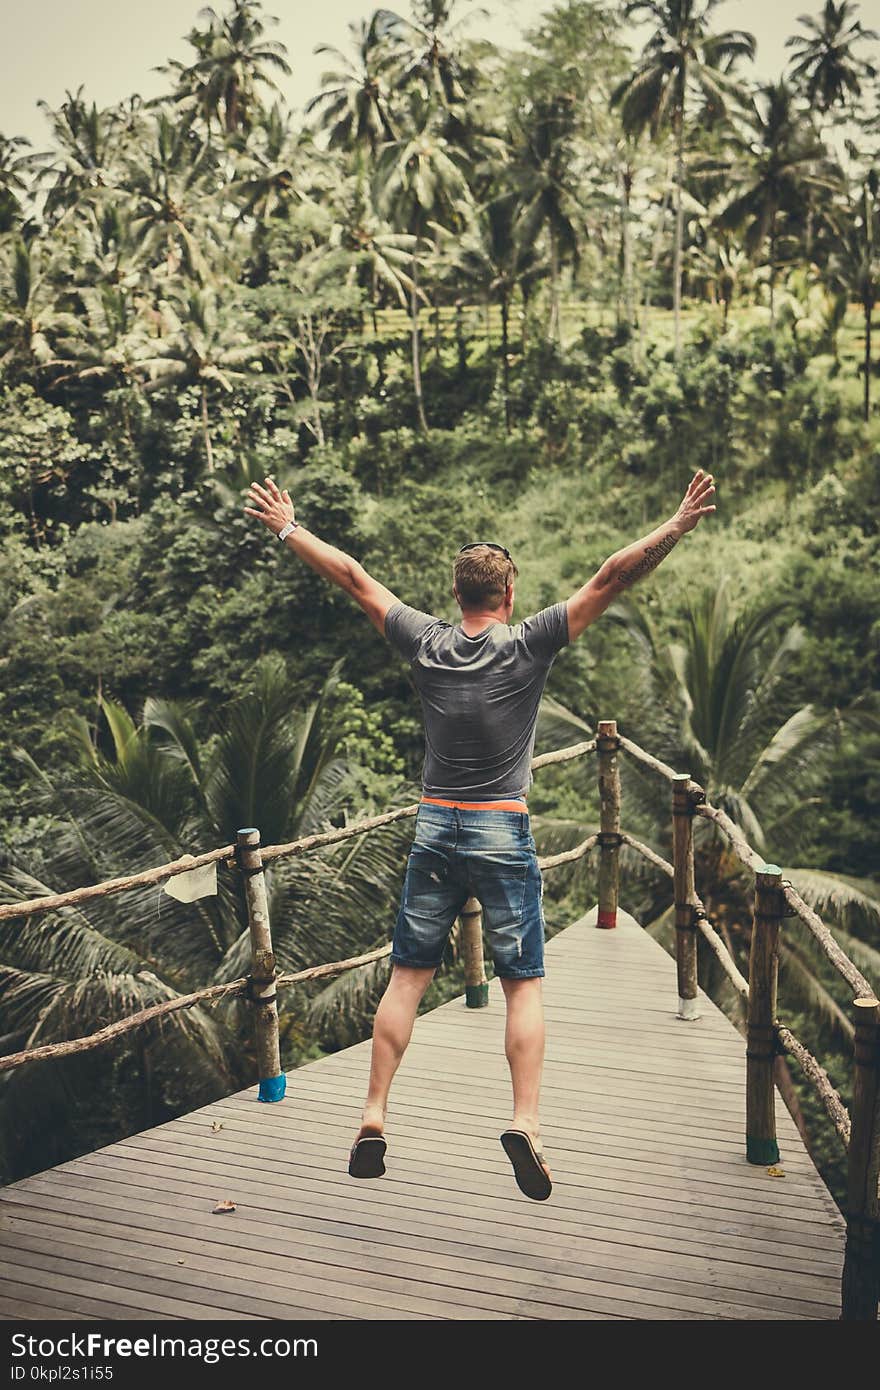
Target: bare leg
[392, 1031]
[524, 1048]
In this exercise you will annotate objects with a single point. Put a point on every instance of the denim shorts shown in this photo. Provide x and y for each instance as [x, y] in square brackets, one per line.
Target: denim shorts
[458, 853]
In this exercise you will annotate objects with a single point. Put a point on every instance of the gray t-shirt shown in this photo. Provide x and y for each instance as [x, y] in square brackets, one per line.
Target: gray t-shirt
[480, 697]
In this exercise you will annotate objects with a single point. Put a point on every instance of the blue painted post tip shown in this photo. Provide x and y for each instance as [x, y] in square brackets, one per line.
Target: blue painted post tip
[248, 830]
[273, 1088]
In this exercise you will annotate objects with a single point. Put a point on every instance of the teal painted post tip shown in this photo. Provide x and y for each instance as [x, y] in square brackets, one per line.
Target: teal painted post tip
[761, 1151]
[273, 1088]
[476, 996]
[248, 830]
[770, 869]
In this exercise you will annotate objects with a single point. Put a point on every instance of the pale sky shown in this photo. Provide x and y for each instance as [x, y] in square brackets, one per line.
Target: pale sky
[111, 46]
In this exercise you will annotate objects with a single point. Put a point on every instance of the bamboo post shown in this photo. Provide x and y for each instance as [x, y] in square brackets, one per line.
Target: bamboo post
[607, 744]
[761, 1145]
[261, 983]
[476, 987]
[860, 1289]
[684, 897]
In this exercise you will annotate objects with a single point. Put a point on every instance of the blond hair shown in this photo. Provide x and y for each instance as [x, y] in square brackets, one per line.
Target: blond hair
[481, 576]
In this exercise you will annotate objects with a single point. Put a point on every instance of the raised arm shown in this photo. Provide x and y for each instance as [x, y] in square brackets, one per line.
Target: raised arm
[621, 570]
[274, 508]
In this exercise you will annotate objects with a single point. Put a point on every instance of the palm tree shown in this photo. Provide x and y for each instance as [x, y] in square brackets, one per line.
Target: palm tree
[824, 67]
[492, 256]
[723, 267]
[823, 64]
[355, 106]
[779, 164]
[264, 184]
[680, 61]
[428, 50]
[381, 257]
[87, 144]
[108, 343]
[170, 184]
[202, 345]
[854, 266]
[29, 297]
[234, 58]
[161, 791]
[18, 166]
[543, 172]
[419, 181]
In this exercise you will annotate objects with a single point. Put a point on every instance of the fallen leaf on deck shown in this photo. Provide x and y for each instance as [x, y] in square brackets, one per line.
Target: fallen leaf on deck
[776, 1172]
[216, 1126]
[225, 1205]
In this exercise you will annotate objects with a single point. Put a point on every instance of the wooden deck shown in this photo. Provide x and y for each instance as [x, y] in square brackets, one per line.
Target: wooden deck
[655, 1212]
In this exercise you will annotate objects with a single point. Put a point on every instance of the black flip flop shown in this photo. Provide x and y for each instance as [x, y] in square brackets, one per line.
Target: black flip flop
[526, 1159]
[367, 1155]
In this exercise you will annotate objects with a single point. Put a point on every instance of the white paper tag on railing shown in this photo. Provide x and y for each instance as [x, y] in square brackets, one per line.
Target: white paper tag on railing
[193, 883]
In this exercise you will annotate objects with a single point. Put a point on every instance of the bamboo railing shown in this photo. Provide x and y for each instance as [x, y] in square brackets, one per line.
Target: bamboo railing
[775, 898]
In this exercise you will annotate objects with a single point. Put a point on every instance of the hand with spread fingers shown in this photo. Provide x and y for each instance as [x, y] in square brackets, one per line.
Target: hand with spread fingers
[697, 501]
[271, 505]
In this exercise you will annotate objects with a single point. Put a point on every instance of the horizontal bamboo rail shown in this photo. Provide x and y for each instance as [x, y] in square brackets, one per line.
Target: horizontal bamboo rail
[651, 855]
[838, 958]
[738, 980]
[655, 764]
[837, 1111]
[212, 994]
[51, 901]
[750, 857]
[231, 989]
[738, 843]
[728, 964]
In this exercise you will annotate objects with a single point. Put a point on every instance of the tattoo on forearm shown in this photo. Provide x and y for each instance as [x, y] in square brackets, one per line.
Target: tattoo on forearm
[650, 560]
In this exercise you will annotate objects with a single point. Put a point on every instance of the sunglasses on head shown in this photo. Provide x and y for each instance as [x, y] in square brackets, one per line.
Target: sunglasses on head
[472, 545]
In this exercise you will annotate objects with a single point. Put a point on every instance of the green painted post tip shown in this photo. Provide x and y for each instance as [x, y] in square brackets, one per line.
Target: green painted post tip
[476, 996]
[770, 869]
[761, 1151]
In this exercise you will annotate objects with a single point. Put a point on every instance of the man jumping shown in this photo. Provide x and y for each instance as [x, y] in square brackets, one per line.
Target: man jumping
[480, 684]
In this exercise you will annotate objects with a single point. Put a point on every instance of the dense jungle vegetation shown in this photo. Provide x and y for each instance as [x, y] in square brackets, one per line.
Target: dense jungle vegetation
[473, 293]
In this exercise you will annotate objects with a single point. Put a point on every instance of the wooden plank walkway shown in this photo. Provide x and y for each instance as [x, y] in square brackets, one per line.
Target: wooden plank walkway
[655, 1212]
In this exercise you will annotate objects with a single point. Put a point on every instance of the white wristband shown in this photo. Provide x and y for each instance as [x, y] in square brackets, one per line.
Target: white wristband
[286, 530]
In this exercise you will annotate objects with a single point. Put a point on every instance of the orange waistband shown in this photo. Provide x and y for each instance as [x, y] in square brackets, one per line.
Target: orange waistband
[478, 805]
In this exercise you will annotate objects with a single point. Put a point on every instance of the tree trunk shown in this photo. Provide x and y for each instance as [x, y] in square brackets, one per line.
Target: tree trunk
[231, 104]
[626, 249]
[867, 408]
[205, 430]
[416, 361]
[554, 288]
[374, 293]
[318, 422]
[773, 272]
[655, 256]
[460, 343]
[679, 230]
[505, 365]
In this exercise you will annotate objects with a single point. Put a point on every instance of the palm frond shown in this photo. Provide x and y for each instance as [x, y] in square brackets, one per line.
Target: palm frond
[800, 986]
[342, 1012]
[840, 899]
